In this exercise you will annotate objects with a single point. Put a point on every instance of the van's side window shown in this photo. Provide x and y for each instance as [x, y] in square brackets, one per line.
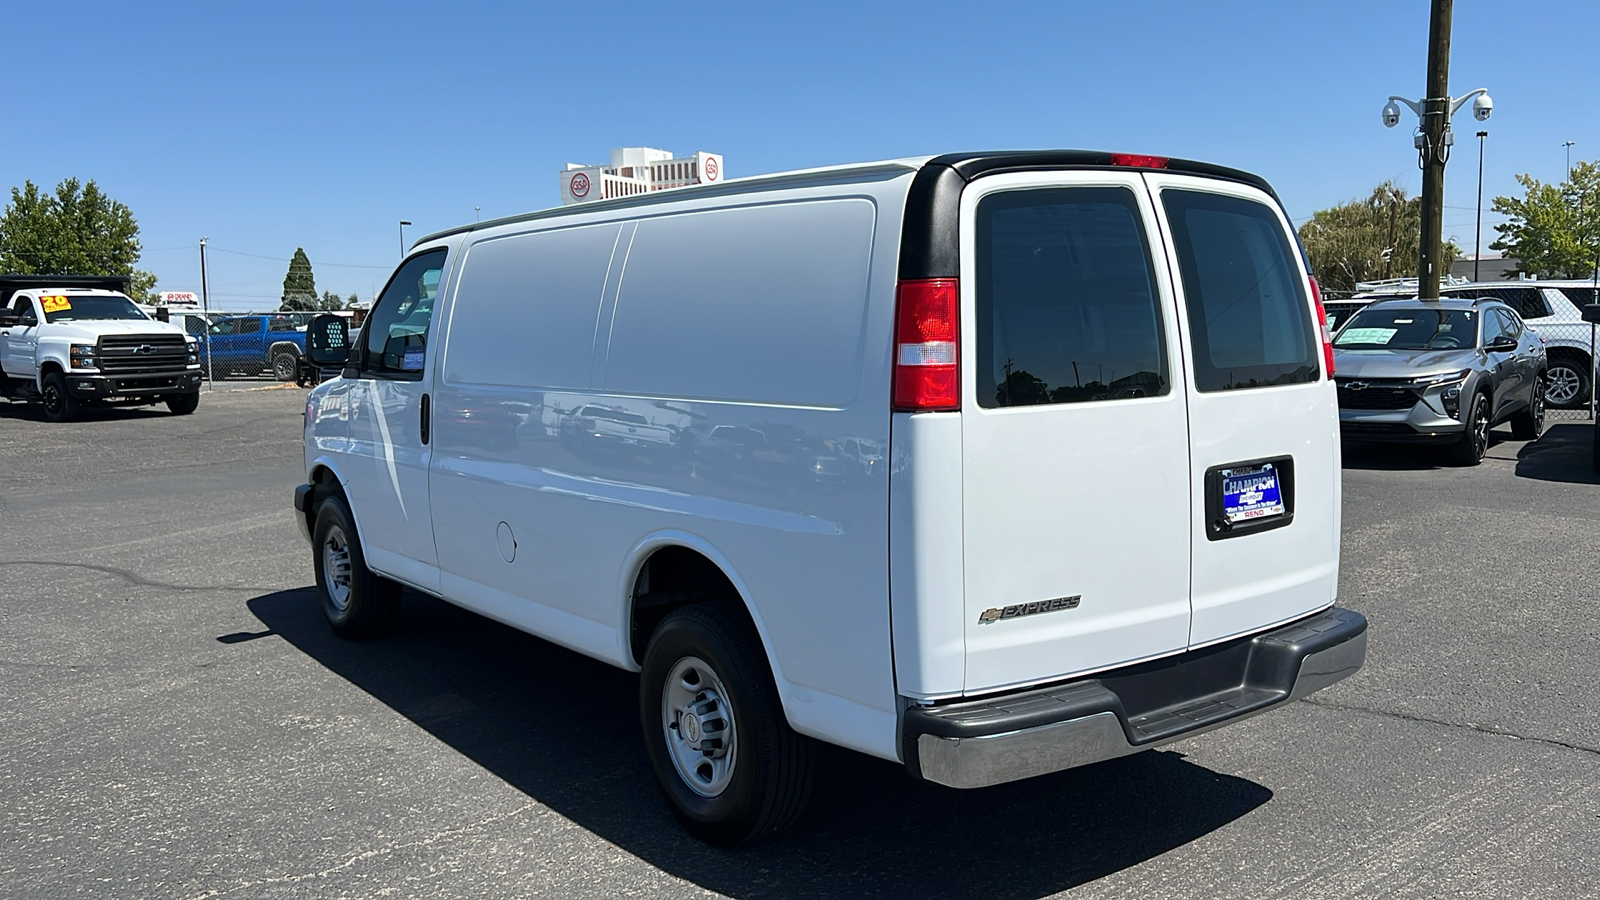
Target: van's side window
[1249, 318]
[397, 330]
[1067, 305]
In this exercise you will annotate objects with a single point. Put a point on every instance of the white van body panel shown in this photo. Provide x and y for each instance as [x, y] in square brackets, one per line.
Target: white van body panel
[927, 599]
[1086, 500]
[711, 322]
[1246, 584]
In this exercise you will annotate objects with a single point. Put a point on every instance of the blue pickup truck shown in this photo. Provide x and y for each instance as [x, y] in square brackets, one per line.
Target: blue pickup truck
[251, 345]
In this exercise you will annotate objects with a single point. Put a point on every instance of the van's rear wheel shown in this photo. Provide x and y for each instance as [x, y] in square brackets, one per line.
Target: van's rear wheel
[357, 602]
[727, 762]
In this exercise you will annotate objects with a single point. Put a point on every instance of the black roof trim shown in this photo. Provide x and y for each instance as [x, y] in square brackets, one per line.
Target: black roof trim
[929, 247]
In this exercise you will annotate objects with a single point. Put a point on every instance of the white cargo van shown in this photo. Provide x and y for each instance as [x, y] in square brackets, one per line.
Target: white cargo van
[989, 464]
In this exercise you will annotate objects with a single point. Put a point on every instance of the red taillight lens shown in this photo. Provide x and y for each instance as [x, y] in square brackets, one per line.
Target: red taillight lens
[926, 335]
[1138, 160]
[1322, 327]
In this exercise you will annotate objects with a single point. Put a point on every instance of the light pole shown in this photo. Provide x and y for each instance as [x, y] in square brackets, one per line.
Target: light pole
[477, 214]
[403, 224]
[205, 305]
[1477, 239]
[1568, 145]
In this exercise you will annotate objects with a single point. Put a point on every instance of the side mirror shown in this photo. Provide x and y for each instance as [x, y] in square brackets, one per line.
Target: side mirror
[8, 318]
[328, 341]
[163, 314]
[1502, 344]
[1591, 313]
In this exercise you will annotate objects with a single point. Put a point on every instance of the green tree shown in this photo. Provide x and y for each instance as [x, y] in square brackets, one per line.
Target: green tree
[331, 301]
[350, 302]
[1553, 230]
[299, 287]
[1367, 239]
[77, 230]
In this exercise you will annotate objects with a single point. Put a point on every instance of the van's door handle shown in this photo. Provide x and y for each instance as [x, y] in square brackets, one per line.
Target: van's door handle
[426, 403]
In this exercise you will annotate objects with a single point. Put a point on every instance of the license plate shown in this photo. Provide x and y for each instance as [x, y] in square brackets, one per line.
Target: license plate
[1250, 493]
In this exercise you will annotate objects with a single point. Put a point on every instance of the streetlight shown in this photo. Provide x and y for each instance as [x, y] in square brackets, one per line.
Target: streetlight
[1433, 139]
[403, 224]
[477, 214]
[1477, 240]
[1568, 145]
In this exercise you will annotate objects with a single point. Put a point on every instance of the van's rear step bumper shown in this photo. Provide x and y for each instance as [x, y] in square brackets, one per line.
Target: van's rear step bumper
[977, 743]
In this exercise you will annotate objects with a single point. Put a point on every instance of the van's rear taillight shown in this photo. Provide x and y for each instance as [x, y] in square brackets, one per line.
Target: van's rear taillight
[926, 336]
[1322, 326]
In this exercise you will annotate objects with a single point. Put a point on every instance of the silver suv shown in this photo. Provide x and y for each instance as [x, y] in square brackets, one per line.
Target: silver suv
[1442, 371]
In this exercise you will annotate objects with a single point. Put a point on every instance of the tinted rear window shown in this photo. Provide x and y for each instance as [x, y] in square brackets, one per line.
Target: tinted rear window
[1249, 318]
[1067, 306]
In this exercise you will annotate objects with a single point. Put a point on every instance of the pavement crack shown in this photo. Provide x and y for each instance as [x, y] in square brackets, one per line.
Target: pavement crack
[369, 854]
[1465, 726]
[134, 578]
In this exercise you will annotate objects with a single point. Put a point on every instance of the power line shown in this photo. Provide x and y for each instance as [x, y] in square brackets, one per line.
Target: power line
[286, 259]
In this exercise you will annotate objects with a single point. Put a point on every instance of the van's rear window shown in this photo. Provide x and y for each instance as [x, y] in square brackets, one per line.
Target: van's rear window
[1249, 317]
[1067, 308]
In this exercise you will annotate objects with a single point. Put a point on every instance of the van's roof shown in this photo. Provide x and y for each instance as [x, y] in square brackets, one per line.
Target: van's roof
[963, 166]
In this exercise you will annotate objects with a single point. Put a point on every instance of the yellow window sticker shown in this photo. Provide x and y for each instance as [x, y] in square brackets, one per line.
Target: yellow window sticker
[55, 303]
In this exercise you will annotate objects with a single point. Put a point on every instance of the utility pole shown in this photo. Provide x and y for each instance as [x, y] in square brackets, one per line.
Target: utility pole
[1435, 126]
[1568, 145]
[205, 304]
[403, 224]
[1388, 256]
[1477, 240]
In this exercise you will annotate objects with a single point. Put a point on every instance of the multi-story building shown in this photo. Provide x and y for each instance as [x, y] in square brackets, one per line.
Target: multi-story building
[637, 170]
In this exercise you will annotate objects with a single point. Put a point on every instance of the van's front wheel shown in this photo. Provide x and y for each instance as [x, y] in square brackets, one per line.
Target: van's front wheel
[357, 602]
[727, 762]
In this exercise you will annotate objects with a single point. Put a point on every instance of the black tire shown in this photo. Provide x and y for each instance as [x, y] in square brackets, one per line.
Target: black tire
[285, 366]
[769, 768]
[1567, 382]
[357, 603]
[58, 402]
[1529, 424]
[183, 404]
[1474, 441]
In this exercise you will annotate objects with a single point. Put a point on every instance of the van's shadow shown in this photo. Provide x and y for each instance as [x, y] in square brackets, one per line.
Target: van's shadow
[564, 730]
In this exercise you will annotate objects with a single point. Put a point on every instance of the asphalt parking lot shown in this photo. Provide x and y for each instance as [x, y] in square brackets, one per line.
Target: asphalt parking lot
[177, 721]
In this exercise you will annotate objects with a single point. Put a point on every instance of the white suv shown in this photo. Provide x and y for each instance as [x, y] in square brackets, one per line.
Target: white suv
[988, 464]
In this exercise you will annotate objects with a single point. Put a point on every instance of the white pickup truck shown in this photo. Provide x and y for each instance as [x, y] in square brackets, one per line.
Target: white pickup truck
[68, 347]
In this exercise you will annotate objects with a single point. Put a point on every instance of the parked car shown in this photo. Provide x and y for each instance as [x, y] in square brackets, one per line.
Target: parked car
[250, 345]
[1443, 372]
[66, 348]
[1111, 518]
[1557, 319]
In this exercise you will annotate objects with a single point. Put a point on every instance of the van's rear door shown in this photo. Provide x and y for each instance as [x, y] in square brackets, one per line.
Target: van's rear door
[1075, 464]
[1263, 416]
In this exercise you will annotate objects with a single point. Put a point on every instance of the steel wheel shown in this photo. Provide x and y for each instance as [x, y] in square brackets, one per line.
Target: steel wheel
[52, 399]
[698, 724]
[283, 367]
[336, 565]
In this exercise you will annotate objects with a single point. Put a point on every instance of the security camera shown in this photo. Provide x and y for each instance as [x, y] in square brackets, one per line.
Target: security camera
[1482, 107]
[1391, 114]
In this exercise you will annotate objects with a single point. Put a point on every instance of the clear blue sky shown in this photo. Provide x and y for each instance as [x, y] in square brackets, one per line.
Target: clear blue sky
[274, 125]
